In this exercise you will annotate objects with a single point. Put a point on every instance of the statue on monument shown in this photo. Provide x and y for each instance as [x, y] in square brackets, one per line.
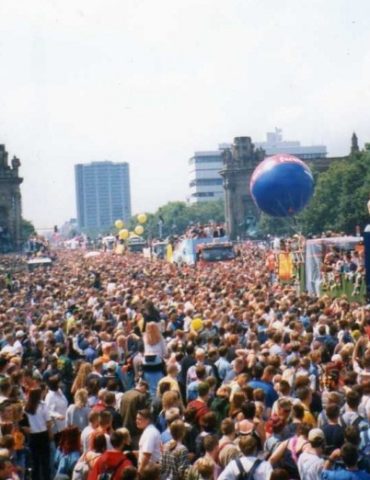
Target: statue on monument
[16, 163]
[227, 158]
[3, 158]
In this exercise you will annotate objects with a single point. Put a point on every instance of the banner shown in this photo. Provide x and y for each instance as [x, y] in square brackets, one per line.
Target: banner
[285, 266]
[169, 253]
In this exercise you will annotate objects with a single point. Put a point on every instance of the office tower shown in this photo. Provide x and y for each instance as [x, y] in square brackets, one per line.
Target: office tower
[102, 194]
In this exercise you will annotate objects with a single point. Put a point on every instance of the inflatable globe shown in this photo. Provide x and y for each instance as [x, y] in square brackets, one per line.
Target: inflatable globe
[281, 185]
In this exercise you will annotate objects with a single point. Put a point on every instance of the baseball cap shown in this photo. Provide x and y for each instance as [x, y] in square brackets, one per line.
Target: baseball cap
[316, 434]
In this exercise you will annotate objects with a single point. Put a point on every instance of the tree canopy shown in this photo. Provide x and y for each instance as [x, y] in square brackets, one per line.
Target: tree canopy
[176, 217]
[27, 229]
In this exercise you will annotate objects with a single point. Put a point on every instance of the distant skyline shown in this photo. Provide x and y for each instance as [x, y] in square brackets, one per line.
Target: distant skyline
[149, 83]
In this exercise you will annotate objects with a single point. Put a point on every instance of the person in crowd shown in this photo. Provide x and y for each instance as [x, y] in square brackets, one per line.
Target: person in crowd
[132, 401]
[349, 455]
[175, 456]
[311, 462]
[221, 360]
[94, 418]
[57, 404]
[112, 462]
[81, 377]
[78, 412]
[248, 463]
[88, 458]
[67, 453]
[150, 440]
[40, 435]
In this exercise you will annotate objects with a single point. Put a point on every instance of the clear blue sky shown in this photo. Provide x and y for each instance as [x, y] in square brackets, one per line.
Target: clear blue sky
[150, 81]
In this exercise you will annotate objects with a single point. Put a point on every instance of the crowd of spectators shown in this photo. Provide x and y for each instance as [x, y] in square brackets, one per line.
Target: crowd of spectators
[116, 367]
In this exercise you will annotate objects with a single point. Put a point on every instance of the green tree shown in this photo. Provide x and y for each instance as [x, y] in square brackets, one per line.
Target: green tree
[27, 229]
[178, 216]
[340, 198]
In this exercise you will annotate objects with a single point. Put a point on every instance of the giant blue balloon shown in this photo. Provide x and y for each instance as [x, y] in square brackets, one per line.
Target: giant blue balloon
[281, 185]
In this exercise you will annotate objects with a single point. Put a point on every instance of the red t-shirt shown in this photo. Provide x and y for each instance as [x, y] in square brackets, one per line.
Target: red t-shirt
[200, 407]
[109, 460]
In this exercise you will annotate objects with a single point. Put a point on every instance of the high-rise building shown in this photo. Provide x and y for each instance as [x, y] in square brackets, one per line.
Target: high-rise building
[205, 179]
[204, 173]
[102, 194]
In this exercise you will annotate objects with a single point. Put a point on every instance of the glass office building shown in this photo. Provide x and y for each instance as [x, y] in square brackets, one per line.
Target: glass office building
[102, 194]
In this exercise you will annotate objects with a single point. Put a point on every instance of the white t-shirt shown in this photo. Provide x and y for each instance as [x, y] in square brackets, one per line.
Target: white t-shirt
[10, 349]
[159, 349]
[364, 407]
[150, 442]
[18, 347]
[57, 405]
[38, 421]
[231, 471]
[310, 466]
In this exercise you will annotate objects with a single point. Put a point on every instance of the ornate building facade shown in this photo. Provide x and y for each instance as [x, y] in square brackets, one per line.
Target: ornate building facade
[239, 162]
[10, 203]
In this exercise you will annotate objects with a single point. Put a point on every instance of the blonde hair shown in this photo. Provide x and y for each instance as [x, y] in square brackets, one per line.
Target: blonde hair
[126, 434]
[205, 467]
[152, 334]
[80, 397]
[170, 399]
[82, 374]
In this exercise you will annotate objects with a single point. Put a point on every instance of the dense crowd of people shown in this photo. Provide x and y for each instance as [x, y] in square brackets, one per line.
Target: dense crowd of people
[118, 367]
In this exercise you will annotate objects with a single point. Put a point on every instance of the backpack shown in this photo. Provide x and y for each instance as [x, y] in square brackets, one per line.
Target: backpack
[219, 450]
[81, 470]
[109, 473]
[243, 475]
[361, 424]
[365, 438]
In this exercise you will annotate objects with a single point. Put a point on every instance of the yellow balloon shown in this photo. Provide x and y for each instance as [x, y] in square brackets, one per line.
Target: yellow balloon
[196, 324]
[139, 229]
[119, 224]
[123, 234]
[142, 218]
[132, 235]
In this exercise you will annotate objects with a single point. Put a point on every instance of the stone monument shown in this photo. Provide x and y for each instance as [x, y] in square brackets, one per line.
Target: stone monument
[239, 162]
[10, 203]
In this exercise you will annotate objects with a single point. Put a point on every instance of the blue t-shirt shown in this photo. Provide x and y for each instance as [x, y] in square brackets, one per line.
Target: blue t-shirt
[344, 475]
[270, 393]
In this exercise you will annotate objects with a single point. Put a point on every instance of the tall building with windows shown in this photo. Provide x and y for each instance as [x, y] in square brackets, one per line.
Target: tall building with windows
[102, 194]
[205, 179]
